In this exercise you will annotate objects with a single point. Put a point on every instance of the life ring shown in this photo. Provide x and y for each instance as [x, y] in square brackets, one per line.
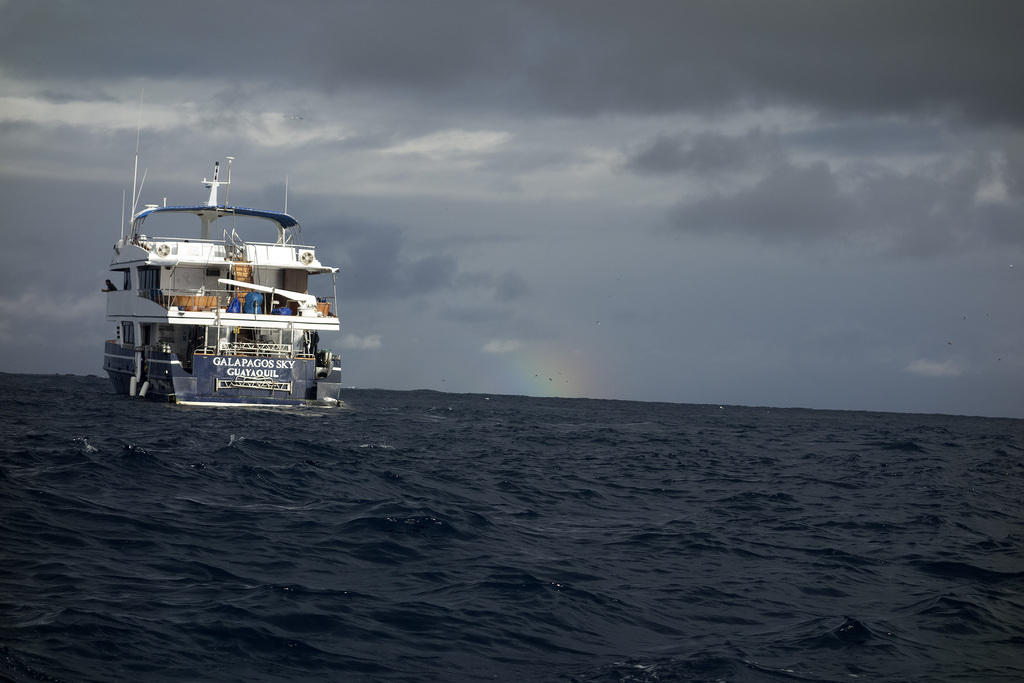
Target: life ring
[163, 250]
[306, 257]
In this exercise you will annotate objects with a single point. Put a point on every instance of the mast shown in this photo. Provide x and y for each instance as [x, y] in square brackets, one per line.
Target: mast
[213, 185]
[213, 201]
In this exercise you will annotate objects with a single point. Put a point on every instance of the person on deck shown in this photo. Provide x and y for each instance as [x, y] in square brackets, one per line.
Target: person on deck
[110, 287]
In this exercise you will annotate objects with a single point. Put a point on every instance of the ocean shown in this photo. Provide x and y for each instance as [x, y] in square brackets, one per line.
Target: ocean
[425, 536]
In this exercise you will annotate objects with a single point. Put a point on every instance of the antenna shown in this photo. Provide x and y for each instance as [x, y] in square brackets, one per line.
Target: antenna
[122, 214]
[286, 193]
[135, 173]
[228, 190]
[135, 200]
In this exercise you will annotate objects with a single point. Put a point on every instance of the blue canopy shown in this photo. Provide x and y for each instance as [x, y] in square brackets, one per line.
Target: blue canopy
[282, 219]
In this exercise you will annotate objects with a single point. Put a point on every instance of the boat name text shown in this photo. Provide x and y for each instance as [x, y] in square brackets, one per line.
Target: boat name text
[253, 367]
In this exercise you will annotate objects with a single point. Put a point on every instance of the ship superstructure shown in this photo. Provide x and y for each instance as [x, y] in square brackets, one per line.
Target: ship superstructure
[217, 319]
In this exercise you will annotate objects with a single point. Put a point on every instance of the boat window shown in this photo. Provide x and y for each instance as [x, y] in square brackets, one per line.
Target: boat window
[127, 334]
[149, 277]
[126, 280]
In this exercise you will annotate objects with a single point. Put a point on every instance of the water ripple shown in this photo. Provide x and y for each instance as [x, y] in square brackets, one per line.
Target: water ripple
[419, 536]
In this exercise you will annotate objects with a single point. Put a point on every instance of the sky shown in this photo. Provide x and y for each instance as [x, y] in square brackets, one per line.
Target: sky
[789, 204]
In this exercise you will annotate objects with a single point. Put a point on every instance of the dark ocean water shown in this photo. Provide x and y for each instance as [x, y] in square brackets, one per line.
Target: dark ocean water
[421, 536]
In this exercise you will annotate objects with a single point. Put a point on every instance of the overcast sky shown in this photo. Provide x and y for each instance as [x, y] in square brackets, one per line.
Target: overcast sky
[815, 204]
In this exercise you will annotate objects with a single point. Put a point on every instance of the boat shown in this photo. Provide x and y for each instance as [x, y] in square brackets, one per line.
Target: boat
[222, 320]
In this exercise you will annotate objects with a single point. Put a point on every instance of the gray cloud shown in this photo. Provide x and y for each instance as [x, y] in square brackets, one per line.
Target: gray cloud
[43, 219]
[473, 315]
[336, 45]
[706, 153]
[376, 264]
[571, 57]
[873, 136]
[849, 56]
[506, 286]
[510, 286]
[791, 202]
[1014, 156]
[912, 213]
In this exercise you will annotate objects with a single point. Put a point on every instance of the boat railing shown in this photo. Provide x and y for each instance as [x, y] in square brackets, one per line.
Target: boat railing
[254, 348]
[220, 242]
[200, 299]
[203, 299]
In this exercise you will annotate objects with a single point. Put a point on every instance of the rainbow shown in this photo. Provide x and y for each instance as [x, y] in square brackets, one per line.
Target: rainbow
[545, 370]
